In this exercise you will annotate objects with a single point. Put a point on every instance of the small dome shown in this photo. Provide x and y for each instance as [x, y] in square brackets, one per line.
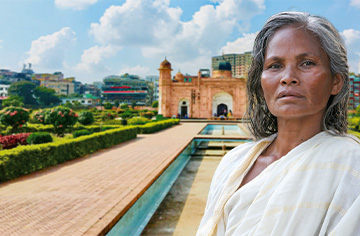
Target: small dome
[223, 65]
[179, 76]
[165, 65]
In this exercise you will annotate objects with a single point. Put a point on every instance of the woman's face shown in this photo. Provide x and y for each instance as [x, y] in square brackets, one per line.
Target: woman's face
[296, 80]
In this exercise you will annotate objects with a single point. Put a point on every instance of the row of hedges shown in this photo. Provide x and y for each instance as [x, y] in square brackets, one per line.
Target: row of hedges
[26, 159]
[144, 129]
[156, 126]
[31, 128]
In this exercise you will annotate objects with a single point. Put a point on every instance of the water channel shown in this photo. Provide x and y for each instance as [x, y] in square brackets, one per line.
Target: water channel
[178, 197]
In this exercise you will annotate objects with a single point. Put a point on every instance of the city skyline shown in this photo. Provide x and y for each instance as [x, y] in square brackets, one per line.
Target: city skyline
[90, 39]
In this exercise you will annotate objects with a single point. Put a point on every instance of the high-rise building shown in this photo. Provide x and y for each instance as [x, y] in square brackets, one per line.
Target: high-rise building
[240, 63]
[354, 100]
[155, 80]
[125, 89]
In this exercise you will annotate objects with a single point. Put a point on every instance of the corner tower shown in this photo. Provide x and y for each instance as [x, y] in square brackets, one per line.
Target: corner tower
[165, 88]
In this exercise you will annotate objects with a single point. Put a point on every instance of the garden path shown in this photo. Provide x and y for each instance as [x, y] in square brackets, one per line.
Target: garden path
[87, 195]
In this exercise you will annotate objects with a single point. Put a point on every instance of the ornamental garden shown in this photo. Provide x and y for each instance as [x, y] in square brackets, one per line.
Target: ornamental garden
[31, 140]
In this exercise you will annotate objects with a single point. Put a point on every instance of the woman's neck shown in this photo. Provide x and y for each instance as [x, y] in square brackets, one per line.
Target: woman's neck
[291, 134]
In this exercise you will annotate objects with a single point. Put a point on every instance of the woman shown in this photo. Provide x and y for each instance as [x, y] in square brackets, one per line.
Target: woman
[302, 175]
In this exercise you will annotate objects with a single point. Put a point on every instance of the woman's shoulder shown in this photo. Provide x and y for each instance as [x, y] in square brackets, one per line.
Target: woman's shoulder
[341, 142]
[341, 149]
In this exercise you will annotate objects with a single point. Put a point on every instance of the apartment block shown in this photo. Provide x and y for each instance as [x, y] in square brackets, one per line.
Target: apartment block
[240, 63]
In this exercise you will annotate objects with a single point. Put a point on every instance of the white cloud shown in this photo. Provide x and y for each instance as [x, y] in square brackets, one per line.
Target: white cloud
[49, 51]
[74, 4]
[1, 43]
[155, 28]
[355, 3]
[352, 41]
[91, 58]
[136, 22]
[136, 70]
[240, 45]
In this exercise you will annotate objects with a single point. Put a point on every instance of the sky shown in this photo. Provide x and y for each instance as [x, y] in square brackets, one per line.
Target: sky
[91, 39]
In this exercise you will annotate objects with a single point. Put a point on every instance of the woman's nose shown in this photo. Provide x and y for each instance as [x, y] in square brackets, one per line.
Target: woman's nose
[289, 77]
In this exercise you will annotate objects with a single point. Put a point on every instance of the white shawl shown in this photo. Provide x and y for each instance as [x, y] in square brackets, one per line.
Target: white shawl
[313, 190]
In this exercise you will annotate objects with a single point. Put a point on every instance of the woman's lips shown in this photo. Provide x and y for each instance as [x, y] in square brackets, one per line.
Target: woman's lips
[289, 94]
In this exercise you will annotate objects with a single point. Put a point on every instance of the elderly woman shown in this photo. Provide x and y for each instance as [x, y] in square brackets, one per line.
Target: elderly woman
[302, 175]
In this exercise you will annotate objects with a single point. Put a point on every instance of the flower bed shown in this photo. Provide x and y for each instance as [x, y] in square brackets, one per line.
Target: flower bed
[11, 141]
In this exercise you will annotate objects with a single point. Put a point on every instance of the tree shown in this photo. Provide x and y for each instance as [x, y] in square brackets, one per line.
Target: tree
[155, 104]
[133, 104]
[46, 96]
[117, 103]
[108, 105]
[23, 89]
[124, 106]
[13, 100]
[14, 117]
[61, 118]
[86, 118]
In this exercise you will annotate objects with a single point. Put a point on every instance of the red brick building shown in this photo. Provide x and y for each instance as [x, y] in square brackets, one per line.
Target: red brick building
[201, 96]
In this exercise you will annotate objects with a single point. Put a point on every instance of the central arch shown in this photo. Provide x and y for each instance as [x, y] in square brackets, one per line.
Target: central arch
[183, 108]
[222, 102]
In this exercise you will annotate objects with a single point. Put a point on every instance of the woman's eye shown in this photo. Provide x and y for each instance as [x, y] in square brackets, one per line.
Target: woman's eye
[274, 66]
[308, 63]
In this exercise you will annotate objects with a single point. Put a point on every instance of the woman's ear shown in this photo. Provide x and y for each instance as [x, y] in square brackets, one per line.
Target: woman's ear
[338, 84]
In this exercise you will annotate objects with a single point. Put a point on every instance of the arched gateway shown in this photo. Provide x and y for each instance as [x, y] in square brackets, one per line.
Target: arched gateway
[221, 103]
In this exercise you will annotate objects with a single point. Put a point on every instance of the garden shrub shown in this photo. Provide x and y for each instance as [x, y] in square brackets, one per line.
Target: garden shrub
[79, 133]
[354, 123]
[86, 118]
[124, 122]
[120, 111]
[11, 141]
[106, 115]
[108, 105]
[39, 116]
[126, 115]
[39, 137]
[149, 115]
[32, 128]
[160, 117]
[134, 112]
[124, 106]
[138, 121]
[15, 117]
[26, 159]
[61, 118]
[155, 104]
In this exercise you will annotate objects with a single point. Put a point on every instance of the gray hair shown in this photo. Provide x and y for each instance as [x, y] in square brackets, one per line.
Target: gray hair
[262, 122]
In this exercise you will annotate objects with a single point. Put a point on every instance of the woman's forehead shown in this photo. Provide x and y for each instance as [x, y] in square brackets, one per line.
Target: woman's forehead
[293, 39]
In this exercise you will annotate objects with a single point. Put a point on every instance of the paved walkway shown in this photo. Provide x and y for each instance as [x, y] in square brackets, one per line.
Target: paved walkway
[84, 196]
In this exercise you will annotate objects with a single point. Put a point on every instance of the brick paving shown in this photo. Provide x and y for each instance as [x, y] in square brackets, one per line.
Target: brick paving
[88, 195]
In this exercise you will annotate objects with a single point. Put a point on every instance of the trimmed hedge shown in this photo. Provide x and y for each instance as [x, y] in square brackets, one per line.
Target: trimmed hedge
[26, 159]
[156, 126]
